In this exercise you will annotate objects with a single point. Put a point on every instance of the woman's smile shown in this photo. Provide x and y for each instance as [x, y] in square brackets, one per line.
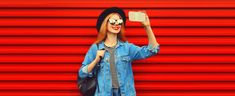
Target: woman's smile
[116, 27]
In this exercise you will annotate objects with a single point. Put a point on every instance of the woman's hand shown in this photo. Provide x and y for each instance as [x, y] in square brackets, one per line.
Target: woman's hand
[100, 53]
[146, 22]
[97, 59]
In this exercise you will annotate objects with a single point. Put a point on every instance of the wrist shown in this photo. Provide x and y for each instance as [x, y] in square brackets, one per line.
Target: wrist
[97, 59]
[147, 26]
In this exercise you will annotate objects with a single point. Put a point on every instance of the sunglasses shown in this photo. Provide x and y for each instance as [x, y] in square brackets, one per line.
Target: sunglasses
[113, 21]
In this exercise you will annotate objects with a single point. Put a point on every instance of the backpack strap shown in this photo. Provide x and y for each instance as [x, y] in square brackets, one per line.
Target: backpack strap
[97, 69]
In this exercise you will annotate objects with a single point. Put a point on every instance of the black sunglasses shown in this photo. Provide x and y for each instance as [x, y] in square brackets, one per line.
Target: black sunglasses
[113, 21]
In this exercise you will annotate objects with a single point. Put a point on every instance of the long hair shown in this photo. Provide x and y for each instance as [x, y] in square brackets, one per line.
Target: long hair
[102, 35]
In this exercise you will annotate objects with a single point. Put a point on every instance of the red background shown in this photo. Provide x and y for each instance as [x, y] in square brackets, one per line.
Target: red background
[43, 43]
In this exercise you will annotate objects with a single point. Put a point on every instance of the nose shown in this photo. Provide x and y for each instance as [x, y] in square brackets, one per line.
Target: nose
[116, 23]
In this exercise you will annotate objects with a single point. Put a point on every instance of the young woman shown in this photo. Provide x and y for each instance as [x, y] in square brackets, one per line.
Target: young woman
[115, 76]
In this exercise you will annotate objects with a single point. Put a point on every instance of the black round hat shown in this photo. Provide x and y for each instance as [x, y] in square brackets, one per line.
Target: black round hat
[106, 12]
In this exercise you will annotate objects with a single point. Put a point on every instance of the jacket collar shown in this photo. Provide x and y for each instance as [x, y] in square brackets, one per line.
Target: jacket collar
[119, 43]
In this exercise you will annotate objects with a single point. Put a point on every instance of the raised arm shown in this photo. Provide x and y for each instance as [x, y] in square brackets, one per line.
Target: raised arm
[151, 37]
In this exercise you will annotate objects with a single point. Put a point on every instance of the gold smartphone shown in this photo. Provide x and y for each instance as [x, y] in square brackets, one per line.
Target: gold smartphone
[136, 16]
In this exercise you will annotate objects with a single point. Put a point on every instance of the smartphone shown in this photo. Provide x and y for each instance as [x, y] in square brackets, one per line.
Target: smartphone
[136, 16]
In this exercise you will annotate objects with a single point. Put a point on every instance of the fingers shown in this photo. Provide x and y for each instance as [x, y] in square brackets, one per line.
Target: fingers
[100, 53]
[145, 13]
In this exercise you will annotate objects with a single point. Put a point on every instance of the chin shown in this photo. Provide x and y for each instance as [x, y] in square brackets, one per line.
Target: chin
[114, 31]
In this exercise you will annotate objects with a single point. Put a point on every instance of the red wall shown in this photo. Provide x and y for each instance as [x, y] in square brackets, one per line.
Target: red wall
[43, 43]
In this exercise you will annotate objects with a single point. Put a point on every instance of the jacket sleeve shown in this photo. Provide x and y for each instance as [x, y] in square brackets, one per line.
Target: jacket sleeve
[146, 51]
[89, 57]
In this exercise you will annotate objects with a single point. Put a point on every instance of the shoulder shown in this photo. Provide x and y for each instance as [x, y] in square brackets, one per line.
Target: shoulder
[129, 44]
[125, 43]
[93, 48]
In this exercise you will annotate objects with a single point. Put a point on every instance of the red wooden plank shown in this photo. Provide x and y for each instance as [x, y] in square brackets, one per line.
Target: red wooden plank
[39, 67]
[185, 93]
[16, 85]
[189, 59]
[136, 40]
[185, 86]
[95, 12]
[120, 3]
[174, 32]
[128, 32]
[139, 86]
[44, 49]
[187, 67]
[156, 22]
[137, 68]
[144, 77]
[83, 50]
[39, 93]
[41, 58]
[38, 76]
[154, 59]
[139, 93]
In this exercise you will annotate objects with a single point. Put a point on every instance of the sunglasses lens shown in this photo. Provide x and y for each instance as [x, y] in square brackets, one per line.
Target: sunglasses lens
[120, 22]
[112, 21]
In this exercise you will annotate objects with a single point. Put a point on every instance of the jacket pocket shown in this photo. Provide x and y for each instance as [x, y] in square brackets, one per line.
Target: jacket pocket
[124, 61]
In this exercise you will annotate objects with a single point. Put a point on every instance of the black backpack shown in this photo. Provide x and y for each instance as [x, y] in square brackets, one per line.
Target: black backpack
[88, 85]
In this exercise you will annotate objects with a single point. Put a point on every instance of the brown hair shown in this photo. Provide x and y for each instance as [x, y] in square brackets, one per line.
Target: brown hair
[103, 31]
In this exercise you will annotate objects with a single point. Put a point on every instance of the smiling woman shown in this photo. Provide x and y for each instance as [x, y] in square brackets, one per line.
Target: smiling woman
[109, 23]
[115, 75]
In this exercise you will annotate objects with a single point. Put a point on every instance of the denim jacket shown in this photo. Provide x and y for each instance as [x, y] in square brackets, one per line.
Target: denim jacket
[125, 53]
